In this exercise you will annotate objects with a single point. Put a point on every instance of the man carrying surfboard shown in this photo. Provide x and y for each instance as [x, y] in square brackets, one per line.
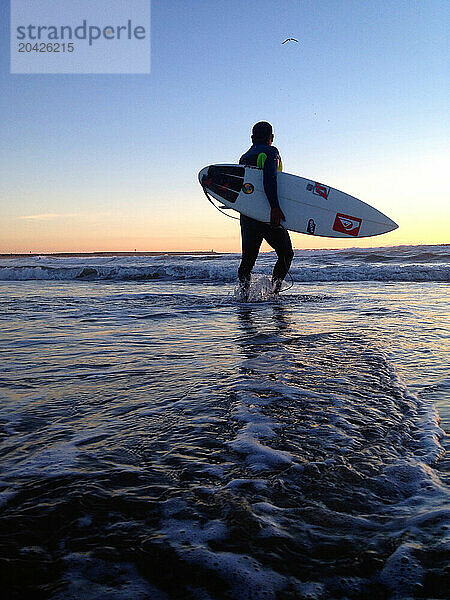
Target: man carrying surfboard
[266, 157]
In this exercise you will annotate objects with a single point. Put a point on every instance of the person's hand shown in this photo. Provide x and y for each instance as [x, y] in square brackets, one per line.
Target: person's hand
[276, 215]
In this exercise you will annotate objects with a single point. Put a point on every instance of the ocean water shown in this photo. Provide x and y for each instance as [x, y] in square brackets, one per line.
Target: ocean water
[162, 440]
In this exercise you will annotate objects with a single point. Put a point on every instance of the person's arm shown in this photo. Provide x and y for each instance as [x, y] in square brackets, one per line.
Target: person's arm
[243, 159]
[270, 170]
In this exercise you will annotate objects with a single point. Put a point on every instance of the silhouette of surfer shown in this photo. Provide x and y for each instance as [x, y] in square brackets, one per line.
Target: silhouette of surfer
[266, 157]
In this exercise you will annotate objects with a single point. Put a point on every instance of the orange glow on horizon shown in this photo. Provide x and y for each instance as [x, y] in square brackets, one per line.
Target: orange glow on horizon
[200, 230]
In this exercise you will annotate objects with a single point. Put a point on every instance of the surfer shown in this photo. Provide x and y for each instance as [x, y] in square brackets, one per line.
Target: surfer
[264, 156]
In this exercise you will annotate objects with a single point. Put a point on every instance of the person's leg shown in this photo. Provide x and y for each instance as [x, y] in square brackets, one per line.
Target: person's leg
[279, 239]
[251, 242]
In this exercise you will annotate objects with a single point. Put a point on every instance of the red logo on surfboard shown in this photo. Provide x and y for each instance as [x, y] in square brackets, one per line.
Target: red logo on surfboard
[321, 190]
[347, 224]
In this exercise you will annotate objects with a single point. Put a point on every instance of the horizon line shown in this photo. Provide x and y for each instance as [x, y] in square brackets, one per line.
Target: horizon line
[180, 252]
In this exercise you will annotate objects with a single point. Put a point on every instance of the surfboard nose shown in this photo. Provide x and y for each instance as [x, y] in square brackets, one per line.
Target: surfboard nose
[393, 224]
[390, 224]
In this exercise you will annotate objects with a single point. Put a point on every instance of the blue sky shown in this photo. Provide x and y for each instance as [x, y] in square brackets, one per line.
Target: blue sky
[110, 161]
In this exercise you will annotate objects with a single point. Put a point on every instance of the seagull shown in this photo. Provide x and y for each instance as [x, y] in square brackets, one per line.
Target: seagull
[289, 40]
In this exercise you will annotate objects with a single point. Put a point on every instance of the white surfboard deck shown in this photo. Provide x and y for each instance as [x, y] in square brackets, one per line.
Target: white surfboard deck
[309, 206]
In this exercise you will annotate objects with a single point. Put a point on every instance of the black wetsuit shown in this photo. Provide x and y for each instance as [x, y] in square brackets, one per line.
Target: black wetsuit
[253, 232]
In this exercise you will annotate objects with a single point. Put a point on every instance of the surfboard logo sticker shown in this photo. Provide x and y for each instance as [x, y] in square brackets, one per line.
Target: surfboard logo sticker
[247, 188]
[311, 227]
[319, 189]
[347, 224]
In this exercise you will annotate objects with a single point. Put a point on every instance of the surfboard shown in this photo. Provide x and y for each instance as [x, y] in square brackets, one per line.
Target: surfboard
[309, 206]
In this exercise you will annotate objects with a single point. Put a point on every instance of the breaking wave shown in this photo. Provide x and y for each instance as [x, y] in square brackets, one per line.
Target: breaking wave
[399, 263]
[224, 271]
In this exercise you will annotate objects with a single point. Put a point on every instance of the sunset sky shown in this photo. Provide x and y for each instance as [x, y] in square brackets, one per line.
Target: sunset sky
[110, 162]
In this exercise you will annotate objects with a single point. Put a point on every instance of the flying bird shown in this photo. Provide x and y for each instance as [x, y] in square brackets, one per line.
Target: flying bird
[289, 40]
